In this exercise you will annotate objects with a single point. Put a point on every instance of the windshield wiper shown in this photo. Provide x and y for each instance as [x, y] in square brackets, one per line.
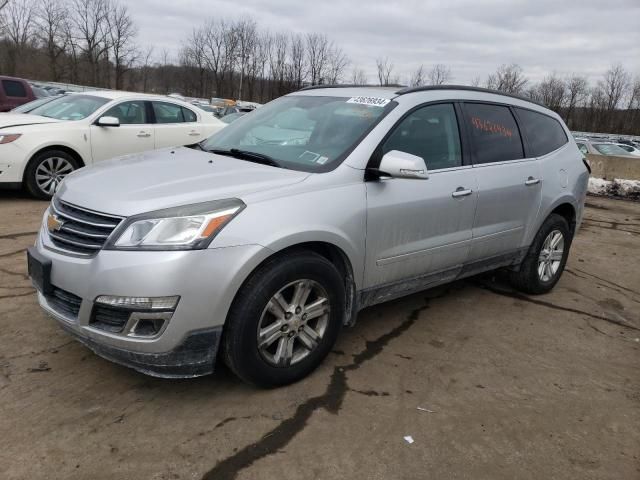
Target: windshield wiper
[247, 155]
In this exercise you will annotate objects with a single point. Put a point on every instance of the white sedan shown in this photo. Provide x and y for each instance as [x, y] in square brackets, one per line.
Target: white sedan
[37, 150]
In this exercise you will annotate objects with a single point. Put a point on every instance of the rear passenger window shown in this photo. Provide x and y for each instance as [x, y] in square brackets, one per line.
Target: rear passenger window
[494, 133]
[168, 112]
[429, 132]
[13, 88]
[544, 134]
[188, 115]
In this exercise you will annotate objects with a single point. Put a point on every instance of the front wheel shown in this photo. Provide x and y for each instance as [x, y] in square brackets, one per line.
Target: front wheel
[45, 172]
[284, 320]
[542, 267]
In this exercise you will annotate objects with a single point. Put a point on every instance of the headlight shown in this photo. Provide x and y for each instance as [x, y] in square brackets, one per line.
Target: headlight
[191, 227]
[9, 137]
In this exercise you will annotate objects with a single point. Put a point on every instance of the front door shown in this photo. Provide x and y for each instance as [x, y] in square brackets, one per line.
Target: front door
[419, 231]
[509, 185]
[134, 135]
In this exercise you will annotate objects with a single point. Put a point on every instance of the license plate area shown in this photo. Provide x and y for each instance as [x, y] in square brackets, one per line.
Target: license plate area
[39, 269]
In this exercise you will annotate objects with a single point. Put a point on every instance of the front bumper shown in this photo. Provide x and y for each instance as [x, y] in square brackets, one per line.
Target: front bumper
[206, 281]
[13, 160]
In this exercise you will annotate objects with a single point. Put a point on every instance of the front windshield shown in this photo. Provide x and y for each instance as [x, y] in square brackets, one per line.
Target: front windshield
[72, 107]
[308, 133]
[610, 149]
[27, 107]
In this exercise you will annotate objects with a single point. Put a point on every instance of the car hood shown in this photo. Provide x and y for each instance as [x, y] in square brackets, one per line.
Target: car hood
[10, 120]
[168, 178]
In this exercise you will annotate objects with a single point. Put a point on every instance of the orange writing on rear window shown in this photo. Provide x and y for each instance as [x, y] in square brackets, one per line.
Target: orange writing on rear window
[487, 126]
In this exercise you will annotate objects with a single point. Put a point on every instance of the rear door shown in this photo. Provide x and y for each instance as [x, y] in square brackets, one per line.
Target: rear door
[175, 125]
[509, 182]
[421, 229]
[134, 135]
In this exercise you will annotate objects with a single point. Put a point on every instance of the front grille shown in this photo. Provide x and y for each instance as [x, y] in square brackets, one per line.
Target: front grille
[65, 303]
[109, 319]
[83, 231]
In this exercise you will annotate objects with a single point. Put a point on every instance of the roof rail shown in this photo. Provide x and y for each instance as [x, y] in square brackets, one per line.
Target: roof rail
[332, 85]
[427, 88]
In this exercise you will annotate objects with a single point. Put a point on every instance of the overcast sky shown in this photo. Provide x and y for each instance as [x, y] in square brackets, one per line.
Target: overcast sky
[472, 37]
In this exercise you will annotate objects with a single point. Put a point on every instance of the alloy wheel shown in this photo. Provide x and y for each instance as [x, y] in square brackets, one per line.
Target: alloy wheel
[51, 172]
[550, 255]
[293, 323]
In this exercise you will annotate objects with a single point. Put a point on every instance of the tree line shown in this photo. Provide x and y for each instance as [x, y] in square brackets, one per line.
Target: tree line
[95, 43]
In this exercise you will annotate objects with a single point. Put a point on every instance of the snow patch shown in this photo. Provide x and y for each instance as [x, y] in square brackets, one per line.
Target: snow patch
[617, 187]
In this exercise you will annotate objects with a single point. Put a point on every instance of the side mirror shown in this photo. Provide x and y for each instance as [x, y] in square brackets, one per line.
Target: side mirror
[397, 164]
[108, 122]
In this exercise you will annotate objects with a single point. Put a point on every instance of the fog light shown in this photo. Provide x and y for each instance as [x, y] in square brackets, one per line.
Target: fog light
[140, 303]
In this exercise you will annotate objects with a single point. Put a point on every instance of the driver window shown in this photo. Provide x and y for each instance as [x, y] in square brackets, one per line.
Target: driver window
[431, 133]
[129, 113]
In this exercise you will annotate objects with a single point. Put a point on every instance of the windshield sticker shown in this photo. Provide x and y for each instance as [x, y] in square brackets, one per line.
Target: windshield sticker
[371, 101]
[487, 126]
[322, 160]
[308, 156]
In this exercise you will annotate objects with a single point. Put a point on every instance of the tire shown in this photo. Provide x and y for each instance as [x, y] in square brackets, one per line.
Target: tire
[255, 308]
[529, 278]
[55, 163]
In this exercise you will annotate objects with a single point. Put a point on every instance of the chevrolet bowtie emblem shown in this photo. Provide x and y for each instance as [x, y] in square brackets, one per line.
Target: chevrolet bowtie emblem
[54, 223]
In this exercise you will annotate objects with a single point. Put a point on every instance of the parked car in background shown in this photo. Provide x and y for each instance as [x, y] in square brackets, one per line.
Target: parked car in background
[630, 149]
[39, 149]
[13, 93]
[258, 253]
[224, 111]
[28, 107]
[40, 92]
[232, 117]
[600, 148]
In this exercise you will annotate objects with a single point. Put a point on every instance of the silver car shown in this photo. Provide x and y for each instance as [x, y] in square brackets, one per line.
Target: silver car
[258, 245]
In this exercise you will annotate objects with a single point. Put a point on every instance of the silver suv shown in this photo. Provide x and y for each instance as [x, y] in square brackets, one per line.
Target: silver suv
[259, 244]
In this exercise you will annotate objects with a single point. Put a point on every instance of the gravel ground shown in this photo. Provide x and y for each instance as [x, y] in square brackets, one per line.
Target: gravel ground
[510, 386]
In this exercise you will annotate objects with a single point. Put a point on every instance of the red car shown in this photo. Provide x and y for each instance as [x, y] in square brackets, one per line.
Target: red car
[14, 92]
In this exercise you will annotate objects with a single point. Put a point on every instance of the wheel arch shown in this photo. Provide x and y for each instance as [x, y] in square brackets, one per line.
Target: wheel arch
[63, 148]
[331, 252]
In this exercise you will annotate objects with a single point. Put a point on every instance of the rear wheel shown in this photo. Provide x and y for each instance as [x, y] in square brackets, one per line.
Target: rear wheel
[46, 170]
[284, 320]
[542, 267]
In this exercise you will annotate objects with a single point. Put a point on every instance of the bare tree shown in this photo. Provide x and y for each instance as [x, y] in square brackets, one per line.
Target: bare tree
[122, 33]
[52, 18]
[317, 56]
[358, 76]
[418, 78]
[476, 81]
[146, 64]
[552, 92]
[90, 19]
[298, 60]
[385, 69]
[439, 75]
[614, 85]
[508, 79]
[3, 3]
[19, 23]
[337, 62]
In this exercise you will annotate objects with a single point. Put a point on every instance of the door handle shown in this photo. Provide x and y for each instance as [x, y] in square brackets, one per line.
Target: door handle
[193, 133]
[531, 181]
[144, 134]
[461, 192]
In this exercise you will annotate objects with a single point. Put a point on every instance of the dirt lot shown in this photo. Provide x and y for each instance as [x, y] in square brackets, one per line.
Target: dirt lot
[516, 386]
